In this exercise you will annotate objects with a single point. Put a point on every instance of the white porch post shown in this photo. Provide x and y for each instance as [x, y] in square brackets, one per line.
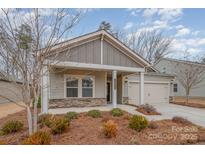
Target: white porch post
[141, 88]
[114, 89]
[44, 90]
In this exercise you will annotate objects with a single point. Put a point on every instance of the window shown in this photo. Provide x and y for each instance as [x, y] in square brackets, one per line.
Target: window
[175, 87]
[79, 86]
[72, 87]
[164, 70]
[87, 87]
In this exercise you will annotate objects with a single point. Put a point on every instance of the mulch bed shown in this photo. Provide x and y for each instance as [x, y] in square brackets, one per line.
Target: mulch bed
[87, 130]
[141, 110]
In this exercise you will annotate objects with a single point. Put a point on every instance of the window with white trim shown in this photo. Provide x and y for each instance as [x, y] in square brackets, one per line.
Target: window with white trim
[87, 87]
[175, 88]
[72, 87]
[79, 86]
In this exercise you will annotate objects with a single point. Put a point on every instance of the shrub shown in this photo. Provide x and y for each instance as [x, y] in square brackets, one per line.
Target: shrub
[152, 125]
[116, 112]
[11, 127]
[59, 125]
[94, 113]
[46, 120]
[110, 129]
[181, 120]
[1, 133]
[138, 122]
[148, 108]
[71, 115]
[38, 138]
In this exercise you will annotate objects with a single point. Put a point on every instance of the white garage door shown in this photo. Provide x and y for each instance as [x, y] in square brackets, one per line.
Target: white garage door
[153, 93]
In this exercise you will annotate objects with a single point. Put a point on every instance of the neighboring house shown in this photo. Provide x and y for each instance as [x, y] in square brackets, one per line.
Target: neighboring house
[9, 91]
[97, 69]
[167, 65]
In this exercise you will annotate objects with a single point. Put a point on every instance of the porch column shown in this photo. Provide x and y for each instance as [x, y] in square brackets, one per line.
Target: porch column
[44, 89]
[114, 89]
[141, 88]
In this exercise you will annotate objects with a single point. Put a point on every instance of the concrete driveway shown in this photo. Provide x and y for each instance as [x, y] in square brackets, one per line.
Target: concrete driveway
[195, 115]
[168, 111]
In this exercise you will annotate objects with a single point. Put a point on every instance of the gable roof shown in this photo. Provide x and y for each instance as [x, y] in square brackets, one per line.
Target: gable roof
[106, 35]
[183, 61]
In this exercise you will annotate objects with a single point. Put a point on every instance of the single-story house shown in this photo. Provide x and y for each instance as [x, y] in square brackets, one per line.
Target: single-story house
[170, 66]
[9, 91]
[97, 69]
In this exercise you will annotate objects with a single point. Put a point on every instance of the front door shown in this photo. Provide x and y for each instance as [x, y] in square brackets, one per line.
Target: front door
[108, 92]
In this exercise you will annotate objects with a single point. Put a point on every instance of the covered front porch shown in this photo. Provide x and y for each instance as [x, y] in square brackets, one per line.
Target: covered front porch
[69, 84]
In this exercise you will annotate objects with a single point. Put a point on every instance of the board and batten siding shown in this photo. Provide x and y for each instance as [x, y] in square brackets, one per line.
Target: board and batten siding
[112, 56]
[57, 82]
[90, 52]
[85, 53]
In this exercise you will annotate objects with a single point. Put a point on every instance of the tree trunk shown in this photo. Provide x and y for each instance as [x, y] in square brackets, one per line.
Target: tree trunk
[35, 115]
[29, 119]
[187, 96]
[35, 112]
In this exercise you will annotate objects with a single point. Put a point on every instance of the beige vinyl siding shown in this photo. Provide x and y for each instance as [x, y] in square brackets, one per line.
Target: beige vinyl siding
[57, 87]
[166, 66]
[113, 56]
[11, 91]
[85, 53]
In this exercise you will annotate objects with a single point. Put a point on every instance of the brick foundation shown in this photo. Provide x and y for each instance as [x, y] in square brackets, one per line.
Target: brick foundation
[77, 102]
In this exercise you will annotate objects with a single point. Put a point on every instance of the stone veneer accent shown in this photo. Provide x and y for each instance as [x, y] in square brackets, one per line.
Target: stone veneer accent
[125, 100]
[76, 102]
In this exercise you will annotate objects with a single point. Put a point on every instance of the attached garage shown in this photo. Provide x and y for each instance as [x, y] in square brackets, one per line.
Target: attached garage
[156, 89]
[156, 93]
[153, 93]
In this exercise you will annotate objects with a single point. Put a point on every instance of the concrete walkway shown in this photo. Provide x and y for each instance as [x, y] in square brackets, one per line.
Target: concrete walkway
[79, 109]
[168, 111]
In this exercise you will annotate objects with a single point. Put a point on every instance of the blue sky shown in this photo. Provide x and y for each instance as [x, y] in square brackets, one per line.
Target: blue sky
[185, 26]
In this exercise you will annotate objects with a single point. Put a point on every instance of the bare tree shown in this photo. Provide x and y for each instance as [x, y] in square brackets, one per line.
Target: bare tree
[26, 40]
[189, 74]
[152, 45]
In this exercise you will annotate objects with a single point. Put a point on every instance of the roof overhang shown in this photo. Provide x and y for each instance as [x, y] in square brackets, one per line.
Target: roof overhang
[87, 66]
